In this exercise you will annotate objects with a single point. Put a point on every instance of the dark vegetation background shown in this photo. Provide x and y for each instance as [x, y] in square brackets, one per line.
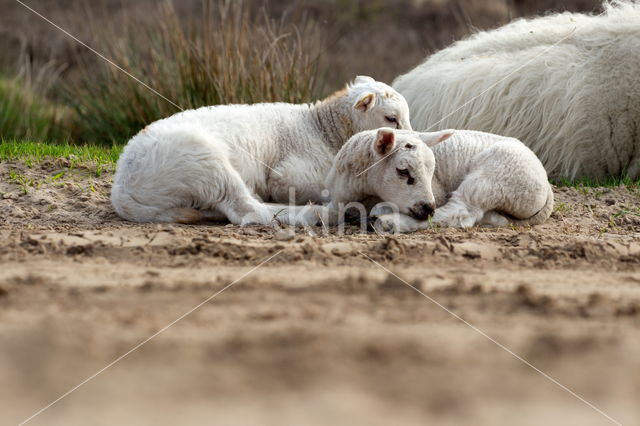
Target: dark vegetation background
[199, 52]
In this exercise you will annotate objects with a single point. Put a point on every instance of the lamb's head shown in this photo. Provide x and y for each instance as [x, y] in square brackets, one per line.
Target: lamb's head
[375, 104]
[402, 169]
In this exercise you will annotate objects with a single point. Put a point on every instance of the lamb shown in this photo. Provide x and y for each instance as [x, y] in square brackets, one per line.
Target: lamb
[464, 178]
[576, 104]
[221, 162]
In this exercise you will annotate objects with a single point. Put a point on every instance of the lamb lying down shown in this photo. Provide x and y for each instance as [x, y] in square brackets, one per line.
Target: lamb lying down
[460, 178]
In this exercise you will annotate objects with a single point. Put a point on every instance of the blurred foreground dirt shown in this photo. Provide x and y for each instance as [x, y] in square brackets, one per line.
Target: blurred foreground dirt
[318, 335]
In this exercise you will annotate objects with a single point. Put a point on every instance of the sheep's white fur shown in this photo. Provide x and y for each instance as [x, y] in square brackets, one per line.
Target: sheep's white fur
[220, 161]
[576, 104]
[474, 178]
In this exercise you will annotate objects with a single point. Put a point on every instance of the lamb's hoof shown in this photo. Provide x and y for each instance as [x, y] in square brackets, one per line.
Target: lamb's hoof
[493, 219]
[381, 226]
[257, 219]
[390, 224]
[454, 220]
[457, 222]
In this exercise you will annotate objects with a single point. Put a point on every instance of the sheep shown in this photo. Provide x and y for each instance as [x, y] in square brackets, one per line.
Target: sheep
[567, 85]
[460, 178]
[222, 162]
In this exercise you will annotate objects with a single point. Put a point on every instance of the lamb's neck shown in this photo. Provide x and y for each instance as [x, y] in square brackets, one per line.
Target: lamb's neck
[332, 118]
[446, 177]
[440, 192]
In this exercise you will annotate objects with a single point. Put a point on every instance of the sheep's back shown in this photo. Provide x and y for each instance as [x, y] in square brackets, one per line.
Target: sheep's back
[576, 104]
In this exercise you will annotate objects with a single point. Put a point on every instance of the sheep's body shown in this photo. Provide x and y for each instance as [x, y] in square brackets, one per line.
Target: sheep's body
[482, 178]
[478, 179]
[576, 104]
[217, 161]
[189, 161]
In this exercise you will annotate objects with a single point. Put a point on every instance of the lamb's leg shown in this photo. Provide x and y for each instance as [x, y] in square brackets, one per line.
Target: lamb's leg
[397, 223]
[468, 204]
[492, 219]
[235, 199]
[307, 215]
[458, 212]
[242, 209]
[232, 199]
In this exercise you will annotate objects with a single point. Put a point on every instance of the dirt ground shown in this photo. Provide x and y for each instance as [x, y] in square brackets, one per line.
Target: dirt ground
[319, 334]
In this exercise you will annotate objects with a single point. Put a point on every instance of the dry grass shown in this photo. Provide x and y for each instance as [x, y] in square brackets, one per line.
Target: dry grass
[226, 55]
[26, 113]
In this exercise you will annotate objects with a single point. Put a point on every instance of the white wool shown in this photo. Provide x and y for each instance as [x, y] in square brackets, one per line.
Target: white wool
[576, 104]
[221, 161]
[469, 177]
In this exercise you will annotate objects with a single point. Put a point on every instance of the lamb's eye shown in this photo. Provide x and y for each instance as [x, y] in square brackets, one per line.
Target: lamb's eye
[404, 173]
[391, 119]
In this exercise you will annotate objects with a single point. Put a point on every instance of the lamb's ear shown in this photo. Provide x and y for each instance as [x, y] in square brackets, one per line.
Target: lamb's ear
[434, 138]
[366, 102]
[385, 142]
[363, 79]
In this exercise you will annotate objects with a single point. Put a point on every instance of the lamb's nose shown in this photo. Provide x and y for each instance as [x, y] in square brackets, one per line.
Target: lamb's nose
[427, 209]
[422, 210]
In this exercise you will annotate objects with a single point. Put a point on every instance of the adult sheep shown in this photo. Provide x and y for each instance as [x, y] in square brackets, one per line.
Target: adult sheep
[222, 162]
[567, 85]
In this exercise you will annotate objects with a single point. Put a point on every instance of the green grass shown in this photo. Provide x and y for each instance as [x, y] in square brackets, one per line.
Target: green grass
[27, 114]
[34, 152]
[610, 182]
[31, 152]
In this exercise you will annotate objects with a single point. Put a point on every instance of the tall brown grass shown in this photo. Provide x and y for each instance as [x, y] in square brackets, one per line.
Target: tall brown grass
[227, 54]
[25, 111]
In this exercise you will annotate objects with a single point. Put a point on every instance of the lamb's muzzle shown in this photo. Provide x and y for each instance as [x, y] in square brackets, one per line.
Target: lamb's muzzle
[422, 210]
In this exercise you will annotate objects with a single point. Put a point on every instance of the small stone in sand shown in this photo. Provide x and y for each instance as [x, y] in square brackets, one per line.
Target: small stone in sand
[284, 235]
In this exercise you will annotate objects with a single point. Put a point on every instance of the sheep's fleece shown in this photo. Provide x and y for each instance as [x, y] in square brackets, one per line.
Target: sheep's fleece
[479, 179]
[567, 85]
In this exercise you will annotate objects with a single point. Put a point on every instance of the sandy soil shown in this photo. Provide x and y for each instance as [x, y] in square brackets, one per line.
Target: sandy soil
[319, 334]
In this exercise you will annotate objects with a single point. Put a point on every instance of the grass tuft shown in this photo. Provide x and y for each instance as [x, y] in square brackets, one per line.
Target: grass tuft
[34, 152]
[224, 55]
[26, 113]
[610, 182]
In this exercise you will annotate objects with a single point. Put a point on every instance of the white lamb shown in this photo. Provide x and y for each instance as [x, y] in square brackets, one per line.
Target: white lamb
[468, 177]
[576, 104]
[217, 162]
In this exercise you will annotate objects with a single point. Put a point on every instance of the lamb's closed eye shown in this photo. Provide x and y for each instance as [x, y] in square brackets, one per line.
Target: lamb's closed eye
[392, 120]
[405, 174]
